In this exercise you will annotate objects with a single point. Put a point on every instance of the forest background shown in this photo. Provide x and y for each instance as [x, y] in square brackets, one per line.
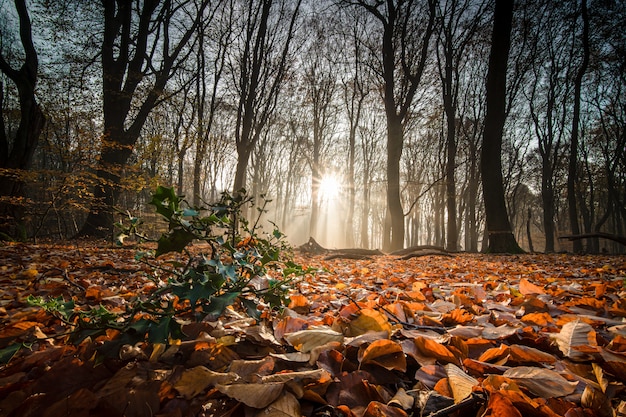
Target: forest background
[349, 115]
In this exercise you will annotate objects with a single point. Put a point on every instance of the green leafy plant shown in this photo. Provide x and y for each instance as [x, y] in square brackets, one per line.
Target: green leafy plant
[238, 265]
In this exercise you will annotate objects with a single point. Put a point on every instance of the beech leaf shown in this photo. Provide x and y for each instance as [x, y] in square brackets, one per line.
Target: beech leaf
[253, 395]
[542, 382]
[195, 380]
[385, 353]
[307, 340]
[461, 384]
[573, 334]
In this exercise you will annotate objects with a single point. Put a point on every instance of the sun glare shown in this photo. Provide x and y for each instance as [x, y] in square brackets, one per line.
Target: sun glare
[330, 187]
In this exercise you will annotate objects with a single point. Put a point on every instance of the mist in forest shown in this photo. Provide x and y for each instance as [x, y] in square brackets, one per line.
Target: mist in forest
[363, 122]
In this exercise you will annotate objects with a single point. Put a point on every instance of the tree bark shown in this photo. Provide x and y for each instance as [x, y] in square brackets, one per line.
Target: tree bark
[573, 157]
[501, 238]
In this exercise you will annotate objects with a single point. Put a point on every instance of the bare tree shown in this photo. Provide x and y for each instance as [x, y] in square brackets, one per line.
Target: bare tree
[574, 142]
[143, 46]
[404, 46]
[259, 67]
[501, 238]
[459, 22]
[16, 154]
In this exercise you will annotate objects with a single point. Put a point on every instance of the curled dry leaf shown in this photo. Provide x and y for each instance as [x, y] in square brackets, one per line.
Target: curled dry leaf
[542, 382]
[597, 401]
[402, 399]
[377, 409]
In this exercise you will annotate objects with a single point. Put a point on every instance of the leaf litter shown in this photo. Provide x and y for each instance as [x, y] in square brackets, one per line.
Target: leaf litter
[470, 335]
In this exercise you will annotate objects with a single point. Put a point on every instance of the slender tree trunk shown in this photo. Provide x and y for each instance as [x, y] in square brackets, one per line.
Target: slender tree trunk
[451, 231]
[573, 157]
[395, 140]
[547, 198]
[19, 157]
[501, 238]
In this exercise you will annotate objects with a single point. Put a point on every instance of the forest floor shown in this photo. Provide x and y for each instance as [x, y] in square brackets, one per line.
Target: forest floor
[462, 335]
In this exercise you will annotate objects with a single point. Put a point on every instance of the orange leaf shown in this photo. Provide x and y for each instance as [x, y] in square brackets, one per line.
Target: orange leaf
[497, 355]
[443, 387]
[526, 287]
[376, 409]
[385, 353]
[501, 406]
[431, 348]
[538, 319]
[526, 354]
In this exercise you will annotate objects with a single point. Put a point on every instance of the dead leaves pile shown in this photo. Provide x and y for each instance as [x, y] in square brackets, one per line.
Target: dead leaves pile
[471, 335]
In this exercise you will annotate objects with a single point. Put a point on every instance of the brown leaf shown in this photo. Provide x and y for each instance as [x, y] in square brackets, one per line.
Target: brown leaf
[195, 380]
[253, 395]
[527, 288]
[575, 334]
[500, 406]
[542, 382]
[527, 354]
[376, 409]
[307, 340]
[287, 405]
[436, 350]
[385, 353]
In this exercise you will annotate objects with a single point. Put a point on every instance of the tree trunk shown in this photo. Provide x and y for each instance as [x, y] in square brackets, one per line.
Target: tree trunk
[573, 157]
[19, 157]
[547, 199]
[501, 238]
[395, 141]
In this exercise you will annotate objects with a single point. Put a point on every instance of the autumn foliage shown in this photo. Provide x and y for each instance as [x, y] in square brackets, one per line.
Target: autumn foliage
[469, 335]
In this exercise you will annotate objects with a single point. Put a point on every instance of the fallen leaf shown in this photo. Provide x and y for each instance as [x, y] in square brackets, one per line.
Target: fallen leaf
[542, 382]
[431, 348]
[195, 380]
[575, 334]
[307, 340]
[527, 288]
[253, 395]
[287, 405]
[385, 353]
[376, 409]
[461, 384]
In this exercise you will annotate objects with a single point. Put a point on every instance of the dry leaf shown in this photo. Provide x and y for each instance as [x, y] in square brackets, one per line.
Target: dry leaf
[385, 353]
[195, 380]
[368, 320]
[500, 406]
[527, 288]
[542, 382]
[402, 400]
[461, 384]
[435, 350]
[573, 334]
[287, 405]
[307, 340]
[253, 395]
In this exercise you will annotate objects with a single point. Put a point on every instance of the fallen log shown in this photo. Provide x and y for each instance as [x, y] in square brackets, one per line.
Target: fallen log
[314, 248]
[615, 238]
